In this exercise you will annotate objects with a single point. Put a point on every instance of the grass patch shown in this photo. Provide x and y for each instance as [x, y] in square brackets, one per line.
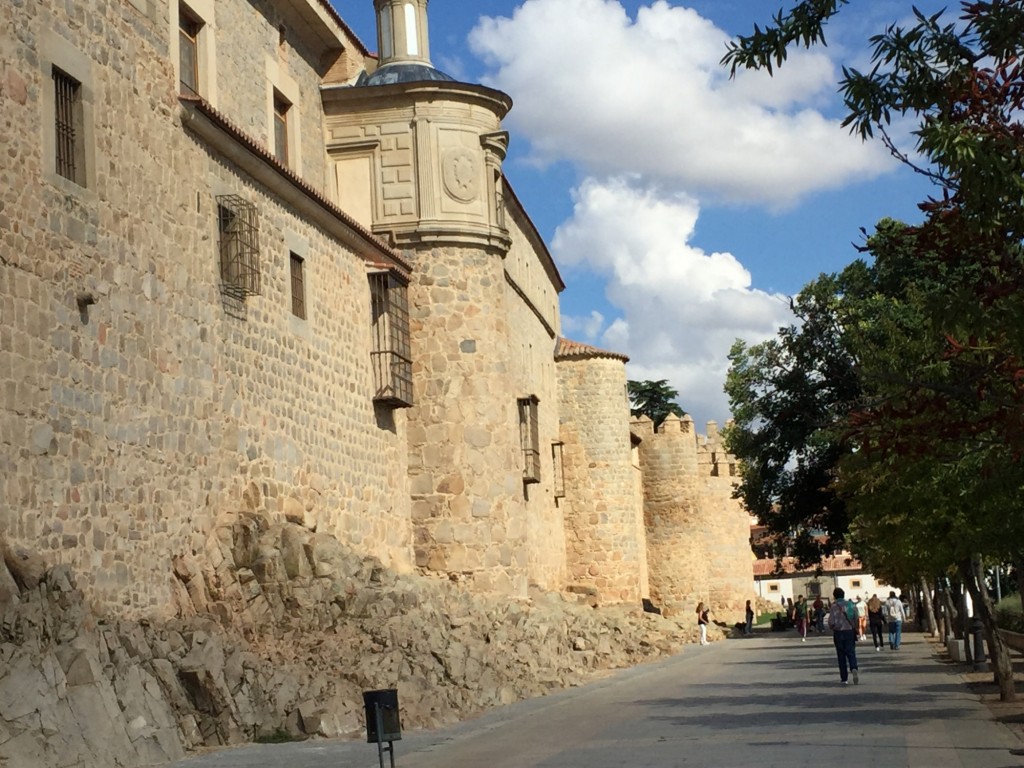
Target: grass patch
[1009, 615]
[276, 736]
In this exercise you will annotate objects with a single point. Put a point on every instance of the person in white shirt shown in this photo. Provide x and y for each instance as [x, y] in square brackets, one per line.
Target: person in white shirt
[894, 615]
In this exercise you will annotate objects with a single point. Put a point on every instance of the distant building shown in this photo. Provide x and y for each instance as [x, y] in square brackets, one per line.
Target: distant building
[842, 570]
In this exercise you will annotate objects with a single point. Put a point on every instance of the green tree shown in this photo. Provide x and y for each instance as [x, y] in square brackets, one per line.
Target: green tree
[940, 440]
[789, 397]
[654, 399]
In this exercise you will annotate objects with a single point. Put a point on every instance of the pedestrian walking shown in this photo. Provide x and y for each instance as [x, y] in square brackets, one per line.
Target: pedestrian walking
[842, 620]
[819, 614]
[862, 618]
[800, 611]
[895, 615]
[876, 621]
[702, 622]
[748, 628]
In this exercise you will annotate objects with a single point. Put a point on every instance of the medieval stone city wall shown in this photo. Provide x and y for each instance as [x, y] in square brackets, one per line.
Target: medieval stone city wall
[533, 325]
[674, 519]
[601, 506]
[730, 557]
[464, 461]
[698, 535]
[130, 423]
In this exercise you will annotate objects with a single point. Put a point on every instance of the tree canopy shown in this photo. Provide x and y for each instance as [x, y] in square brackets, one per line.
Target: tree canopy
[917, 439]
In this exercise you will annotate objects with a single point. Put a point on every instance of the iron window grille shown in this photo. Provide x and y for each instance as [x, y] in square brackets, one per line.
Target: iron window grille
[188, 52]
[298, 287]
[67, 102]
[239, 226]
[558, 470]
[529, 438]
[391, 355]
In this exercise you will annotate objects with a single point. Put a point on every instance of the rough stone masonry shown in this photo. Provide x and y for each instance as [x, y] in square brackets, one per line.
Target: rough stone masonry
[281, 636]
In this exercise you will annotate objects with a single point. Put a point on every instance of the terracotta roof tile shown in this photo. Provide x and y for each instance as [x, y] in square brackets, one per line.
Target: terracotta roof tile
[566, 349]
[830, 564]
[394, 258]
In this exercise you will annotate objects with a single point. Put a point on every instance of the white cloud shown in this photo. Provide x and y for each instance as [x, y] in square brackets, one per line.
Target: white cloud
[648, 95]
[682, 307]
[586, 328]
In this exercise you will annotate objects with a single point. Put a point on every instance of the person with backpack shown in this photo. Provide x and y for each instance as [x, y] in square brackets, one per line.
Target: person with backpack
[842, 620]
[819, 615]
[894, 615]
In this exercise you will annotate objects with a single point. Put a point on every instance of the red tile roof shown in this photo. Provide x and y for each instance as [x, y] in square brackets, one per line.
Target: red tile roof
[574, 350]
[390, 257]
[831, 564]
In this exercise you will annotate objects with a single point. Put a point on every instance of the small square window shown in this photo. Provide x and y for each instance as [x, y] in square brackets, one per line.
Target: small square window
[298, 287]
[773, 587]
[855, 584]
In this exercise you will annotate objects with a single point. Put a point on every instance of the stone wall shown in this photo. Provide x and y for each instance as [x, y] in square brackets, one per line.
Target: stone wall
[698, 535]
[730, 558]
[675, 521]
[139, 401]
[280, 636]
[601, 504]
[465, 465]
[533, 322]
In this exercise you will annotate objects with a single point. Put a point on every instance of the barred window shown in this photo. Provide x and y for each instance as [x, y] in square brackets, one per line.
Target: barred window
[391, 354]
[281, 108]
[529, 438]
[298, 287]
[239, 229]
[68, 127]
[558, 470]
[188, 52]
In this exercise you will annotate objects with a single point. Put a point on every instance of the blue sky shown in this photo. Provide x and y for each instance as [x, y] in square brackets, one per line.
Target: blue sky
[683, 208]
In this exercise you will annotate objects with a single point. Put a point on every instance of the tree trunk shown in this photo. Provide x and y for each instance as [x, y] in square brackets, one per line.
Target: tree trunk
[952, 613]
[930, 625]
[1002, 665]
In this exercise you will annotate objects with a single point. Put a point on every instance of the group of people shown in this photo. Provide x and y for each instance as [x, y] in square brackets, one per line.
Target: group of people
[847, 620]
[874, 614]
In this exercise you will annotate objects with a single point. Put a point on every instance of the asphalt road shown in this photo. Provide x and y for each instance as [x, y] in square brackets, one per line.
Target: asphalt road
[764, 701]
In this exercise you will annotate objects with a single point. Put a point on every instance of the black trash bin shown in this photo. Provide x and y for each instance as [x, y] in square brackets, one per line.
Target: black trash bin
[388, 726]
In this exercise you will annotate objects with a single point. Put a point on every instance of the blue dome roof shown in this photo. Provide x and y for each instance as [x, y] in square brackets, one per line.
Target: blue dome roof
[401, 72]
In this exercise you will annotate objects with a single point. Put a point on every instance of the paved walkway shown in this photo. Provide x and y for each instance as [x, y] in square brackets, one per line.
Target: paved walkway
[764, 701]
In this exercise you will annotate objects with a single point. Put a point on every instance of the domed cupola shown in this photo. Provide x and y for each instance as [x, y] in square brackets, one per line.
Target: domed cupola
[403, 45]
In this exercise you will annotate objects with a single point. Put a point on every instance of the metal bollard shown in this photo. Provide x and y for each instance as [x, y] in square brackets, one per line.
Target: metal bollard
[978, 635]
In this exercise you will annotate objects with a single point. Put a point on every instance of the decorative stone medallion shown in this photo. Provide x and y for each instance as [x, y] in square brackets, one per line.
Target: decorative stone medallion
[460, 173]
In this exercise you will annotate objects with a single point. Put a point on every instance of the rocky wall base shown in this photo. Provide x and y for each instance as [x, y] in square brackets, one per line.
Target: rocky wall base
[279, 631]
